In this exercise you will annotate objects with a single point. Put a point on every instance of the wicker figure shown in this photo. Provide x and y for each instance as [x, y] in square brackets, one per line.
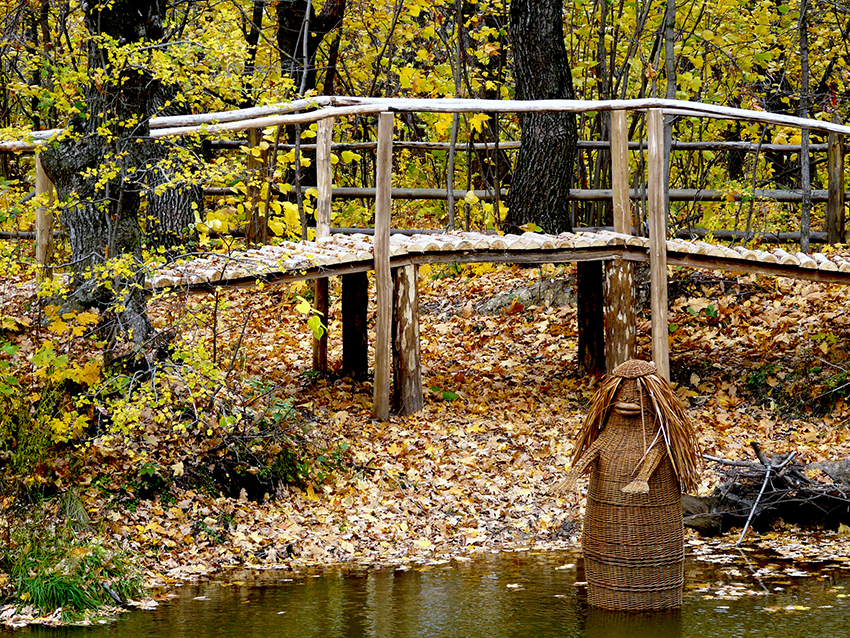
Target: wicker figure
[642, 452]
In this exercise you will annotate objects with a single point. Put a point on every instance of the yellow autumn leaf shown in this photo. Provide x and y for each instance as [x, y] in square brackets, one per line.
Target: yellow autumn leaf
[89, 374]
[303, 306]
[350, 156]
[477, 120]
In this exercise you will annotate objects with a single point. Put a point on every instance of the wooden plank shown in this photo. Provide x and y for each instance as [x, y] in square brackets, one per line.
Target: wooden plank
[657, 241]
[835, 205]
[383, 279]
[43, 220]
[742, 265]
[407, 366]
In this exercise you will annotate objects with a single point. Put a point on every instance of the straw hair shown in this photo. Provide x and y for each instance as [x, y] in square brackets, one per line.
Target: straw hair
[673, 423]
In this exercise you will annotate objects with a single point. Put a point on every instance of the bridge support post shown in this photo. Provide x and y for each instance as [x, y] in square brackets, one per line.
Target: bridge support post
[324, 179]
[383, 279]
[835, 205]
[620, 316]
[355, 335]
[43, 220]
[656, 202]
[407, 364]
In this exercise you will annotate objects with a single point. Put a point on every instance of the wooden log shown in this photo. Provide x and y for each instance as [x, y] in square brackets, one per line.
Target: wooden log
[843, 265]
[835, 205]
[324, 176]
[43, 220]
[620, 173]
[824, 263]
[766, 257]
[745, 253]
[786, 258]
[383, 279]
[657, 240]
[805, 261]
[407, 365]
[543, 241]
[620, 314]
[355, 336]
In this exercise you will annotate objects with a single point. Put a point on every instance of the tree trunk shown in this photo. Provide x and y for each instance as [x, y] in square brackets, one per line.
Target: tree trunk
[94, 169]
[173, 204]
[542, 178]
[540, 186]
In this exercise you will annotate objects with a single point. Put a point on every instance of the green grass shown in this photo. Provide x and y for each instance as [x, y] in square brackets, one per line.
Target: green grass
[51, 567]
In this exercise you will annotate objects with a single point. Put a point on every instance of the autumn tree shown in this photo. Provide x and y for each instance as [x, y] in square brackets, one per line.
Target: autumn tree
[96, 166]
[543, 175]
[540, 186]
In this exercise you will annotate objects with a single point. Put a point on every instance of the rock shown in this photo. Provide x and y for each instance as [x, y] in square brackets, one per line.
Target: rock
[546, 292]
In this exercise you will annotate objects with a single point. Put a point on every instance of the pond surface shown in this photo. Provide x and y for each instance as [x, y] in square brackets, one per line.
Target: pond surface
[499, 595]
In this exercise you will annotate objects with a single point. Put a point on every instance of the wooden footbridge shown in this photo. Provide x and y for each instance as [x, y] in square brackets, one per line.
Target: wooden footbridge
[395, 257]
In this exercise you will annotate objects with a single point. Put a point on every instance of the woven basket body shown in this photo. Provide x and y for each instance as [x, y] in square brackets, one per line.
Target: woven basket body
[633, 544]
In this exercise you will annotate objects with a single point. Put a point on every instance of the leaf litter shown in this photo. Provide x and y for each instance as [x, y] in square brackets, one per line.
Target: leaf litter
[479, 468]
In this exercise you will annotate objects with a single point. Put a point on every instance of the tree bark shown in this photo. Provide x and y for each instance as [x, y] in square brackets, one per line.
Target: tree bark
[94, 168]
[540, 186]
[173, 204]
[407, 364]
[542, 178]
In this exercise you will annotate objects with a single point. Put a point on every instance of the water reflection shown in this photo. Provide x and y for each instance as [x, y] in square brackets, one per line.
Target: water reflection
[507, 595]
[608, 624]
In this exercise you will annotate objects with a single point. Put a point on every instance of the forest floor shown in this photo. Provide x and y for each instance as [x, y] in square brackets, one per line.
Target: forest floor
[479, 468]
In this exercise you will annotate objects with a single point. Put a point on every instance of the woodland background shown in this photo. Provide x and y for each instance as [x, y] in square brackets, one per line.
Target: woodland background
[202, 437]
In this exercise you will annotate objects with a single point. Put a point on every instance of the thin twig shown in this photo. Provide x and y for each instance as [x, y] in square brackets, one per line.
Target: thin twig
[767, 472]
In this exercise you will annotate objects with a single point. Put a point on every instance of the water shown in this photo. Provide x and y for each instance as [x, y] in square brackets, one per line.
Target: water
[498, 595]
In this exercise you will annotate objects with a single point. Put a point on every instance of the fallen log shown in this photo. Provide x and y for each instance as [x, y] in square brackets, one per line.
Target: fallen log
[759, 493]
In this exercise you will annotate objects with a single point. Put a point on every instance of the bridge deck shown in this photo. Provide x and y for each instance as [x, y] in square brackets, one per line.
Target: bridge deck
[340, 254]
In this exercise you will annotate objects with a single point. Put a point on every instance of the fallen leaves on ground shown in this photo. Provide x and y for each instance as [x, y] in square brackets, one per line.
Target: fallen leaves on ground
[479, 468]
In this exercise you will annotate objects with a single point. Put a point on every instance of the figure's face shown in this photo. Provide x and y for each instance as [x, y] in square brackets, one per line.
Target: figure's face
[628, 403]
[629, 391]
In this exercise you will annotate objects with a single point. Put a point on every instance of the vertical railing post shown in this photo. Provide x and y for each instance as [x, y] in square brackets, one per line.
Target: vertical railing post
[324, 179]
[658, 240]
[383, 278]
[620, 324]
[835, 203]
[43, 219]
